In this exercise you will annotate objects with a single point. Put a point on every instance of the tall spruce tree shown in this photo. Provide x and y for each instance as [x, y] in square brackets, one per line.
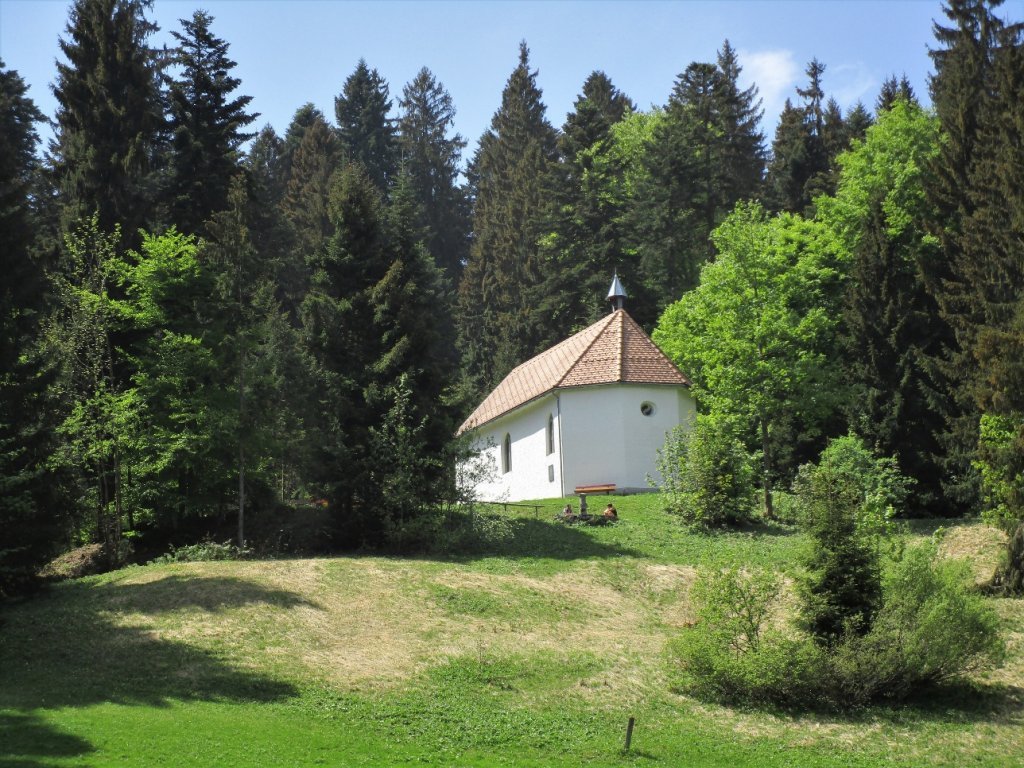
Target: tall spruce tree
[366, 133]
[497, 319]
[206, 124]
[307, 192]
[891, 321]
[337, 321]
[743, 154]
[993, 246]
[26, 513]
[432, 160]
[800, 165]
[304, 117]
[108, 116]
[705, 156]
[974, 282]
[585, 244]
[408, 381]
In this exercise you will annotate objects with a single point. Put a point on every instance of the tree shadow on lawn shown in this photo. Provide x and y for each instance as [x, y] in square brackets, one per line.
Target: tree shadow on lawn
[541, 538]
[26, 741]
[66, 649]
[952, 703]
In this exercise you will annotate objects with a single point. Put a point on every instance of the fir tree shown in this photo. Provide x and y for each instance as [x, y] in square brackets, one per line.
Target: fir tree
[799, 168]
[206, 124]
[993, 250]
[26, 516]
[971, 281]
[674, 214]
[431, 158]
[705, 157]
[585, 244]
[743, 152]
[304, 117]
[894, 90]
[784, 183]
[366, 134]
[108, 116]
[891, 322]
[307, 192]
[858, 120]
[337, 321]
[497, 322]
[265, 161]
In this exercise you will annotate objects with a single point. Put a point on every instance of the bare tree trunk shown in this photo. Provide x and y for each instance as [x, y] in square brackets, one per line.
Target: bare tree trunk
[241, 449]
[766, 463]
[1009, 578]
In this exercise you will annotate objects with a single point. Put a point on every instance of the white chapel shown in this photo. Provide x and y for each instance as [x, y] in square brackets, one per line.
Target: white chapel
[591, 411]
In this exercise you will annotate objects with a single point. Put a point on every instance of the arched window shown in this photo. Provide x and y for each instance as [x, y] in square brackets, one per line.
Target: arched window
[551, 434]
[506, 454]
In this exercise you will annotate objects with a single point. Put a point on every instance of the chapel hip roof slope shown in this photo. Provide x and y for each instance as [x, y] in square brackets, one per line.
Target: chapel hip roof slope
[613, 350]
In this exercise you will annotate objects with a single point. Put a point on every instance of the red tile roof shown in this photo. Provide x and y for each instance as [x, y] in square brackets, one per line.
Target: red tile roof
[613, 350]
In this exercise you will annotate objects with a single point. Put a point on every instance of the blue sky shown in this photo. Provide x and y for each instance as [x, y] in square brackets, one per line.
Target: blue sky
[290, 52]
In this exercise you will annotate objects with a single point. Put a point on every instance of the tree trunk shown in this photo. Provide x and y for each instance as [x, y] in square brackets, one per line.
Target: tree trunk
[1009, 578]
[766, 463]
[241, 450]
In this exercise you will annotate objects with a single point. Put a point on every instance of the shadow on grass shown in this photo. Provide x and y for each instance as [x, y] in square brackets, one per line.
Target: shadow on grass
[68, 649]
[26, 741]
[950, 703]
[518, 537]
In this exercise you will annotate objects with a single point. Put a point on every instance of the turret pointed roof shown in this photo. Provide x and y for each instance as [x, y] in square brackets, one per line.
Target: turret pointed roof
[617, 294]
[613, 350]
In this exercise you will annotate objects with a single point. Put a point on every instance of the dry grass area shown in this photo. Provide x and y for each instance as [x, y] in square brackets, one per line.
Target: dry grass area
[977, 543]
[372, 623]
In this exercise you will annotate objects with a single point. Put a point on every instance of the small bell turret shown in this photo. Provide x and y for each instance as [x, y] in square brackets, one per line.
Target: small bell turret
[617, 294]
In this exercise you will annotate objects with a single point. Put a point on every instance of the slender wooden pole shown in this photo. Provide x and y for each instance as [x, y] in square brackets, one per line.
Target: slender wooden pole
[629, 734]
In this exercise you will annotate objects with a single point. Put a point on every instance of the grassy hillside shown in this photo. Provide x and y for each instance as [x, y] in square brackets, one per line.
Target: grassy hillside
[534, 654]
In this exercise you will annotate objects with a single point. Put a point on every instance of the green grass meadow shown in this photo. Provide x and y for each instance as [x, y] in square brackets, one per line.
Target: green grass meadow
[535, 653]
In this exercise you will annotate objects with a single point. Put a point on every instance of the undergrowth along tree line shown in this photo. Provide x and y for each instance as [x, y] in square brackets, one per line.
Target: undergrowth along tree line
[205, 323]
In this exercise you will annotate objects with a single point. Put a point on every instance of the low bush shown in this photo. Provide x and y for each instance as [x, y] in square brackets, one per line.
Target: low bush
[473, 533]
[707, 474]
[204, 551]
[931, 628]
[733, 655]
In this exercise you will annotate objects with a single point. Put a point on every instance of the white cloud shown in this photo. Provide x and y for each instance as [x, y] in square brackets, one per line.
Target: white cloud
[850, 83]
[776, 74]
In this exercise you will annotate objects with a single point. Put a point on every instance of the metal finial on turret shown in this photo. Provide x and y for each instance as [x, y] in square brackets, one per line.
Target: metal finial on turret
[616, 294]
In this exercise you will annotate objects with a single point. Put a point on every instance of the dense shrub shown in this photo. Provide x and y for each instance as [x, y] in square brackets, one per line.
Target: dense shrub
[707, 474]
[474, 533]
[930, 628]
[846, 503]
[732, 655]
[204, 551]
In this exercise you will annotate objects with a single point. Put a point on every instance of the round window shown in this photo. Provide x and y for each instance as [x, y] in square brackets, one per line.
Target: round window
[647, 409]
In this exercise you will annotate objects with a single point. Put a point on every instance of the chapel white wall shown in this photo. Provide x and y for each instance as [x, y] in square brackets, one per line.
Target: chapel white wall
[535, 474]
[607, 439]
[601, 436]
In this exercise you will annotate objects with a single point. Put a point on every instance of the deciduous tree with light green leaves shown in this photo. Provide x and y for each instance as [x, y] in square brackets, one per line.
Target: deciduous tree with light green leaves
[757, 335]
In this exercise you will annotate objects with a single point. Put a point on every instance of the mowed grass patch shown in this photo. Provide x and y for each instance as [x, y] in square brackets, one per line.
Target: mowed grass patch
[644, 531]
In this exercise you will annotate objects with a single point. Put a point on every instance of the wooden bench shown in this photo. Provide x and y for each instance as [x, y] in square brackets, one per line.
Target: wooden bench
[607, 488]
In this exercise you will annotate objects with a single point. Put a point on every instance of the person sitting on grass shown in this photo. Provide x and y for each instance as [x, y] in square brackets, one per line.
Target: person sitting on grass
[610, 513]
[568, 516]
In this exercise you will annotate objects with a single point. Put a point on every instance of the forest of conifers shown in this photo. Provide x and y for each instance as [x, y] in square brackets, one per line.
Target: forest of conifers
[203, 324]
